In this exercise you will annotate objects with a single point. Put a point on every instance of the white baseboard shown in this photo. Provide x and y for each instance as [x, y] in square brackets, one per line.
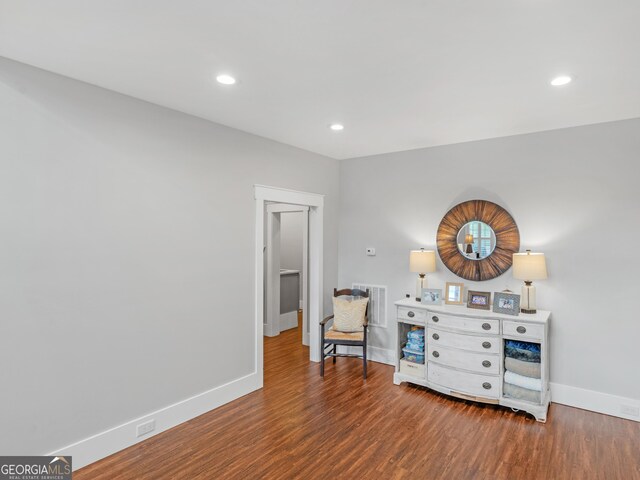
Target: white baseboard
[288, 320]
[594, 401]
[117, 438]
[375, 354]
[270, 330]
[591, 400]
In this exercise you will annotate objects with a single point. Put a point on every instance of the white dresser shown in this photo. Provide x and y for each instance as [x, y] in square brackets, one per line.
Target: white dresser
[465, 352]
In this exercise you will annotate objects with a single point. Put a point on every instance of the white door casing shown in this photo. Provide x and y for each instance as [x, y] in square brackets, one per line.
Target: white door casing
[315, 202]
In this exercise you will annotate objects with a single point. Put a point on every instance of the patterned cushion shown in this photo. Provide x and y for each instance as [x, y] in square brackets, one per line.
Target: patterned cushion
[348, 313]
[333, 334]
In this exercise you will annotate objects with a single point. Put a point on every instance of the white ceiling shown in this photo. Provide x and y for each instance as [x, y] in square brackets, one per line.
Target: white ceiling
[398, 74]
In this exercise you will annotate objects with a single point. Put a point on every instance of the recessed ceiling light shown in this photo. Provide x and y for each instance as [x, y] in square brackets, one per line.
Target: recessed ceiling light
[336, 127]
[561, 80]
[225, 79]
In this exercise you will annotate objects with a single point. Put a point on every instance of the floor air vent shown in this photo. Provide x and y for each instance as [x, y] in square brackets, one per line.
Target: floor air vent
[377, 303]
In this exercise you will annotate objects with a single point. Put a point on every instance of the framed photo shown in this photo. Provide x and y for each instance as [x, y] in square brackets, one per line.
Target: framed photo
[432, 296]
[508, 303]
[479, 300]
[453, 293]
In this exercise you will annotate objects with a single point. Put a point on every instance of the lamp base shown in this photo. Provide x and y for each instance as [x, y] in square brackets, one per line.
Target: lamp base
[420, 284]
[528, 298]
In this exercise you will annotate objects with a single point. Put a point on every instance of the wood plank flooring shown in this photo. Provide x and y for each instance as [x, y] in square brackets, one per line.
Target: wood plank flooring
[300, 426]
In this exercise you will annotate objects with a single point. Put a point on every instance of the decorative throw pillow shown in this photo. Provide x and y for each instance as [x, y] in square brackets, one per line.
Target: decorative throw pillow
[348, 313]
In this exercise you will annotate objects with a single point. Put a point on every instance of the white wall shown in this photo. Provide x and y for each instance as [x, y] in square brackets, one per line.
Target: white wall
[573, 194]
[126, 266]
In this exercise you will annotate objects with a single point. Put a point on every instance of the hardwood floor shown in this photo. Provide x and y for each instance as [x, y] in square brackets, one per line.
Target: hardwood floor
[299, 426]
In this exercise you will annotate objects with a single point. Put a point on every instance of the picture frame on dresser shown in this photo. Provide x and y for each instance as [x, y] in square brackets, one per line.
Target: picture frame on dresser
[507, 303]
[453, 293]
[432, 296]
[479, 300]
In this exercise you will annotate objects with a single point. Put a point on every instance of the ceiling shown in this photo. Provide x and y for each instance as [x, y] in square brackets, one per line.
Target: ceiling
[398, 74]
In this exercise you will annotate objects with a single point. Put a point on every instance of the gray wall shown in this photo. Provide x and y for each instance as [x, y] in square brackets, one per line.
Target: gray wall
[291, 224]
[126, 267]
[574, 195]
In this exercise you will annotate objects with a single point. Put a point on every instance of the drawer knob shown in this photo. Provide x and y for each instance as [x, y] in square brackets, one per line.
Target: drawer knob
[436, 336]
[435, 354]
[435, 319]
[411, 314]
[486, 344]
[486, 363]
[521, 329]
[486, 385]
[486, 326]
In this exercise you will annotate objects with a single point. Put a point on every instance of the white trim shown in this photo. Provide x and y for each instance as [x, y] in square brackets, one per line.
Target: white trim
[593, 401]
[304, 303]
[316, 252]
[272, 304]
[284, 195]
[288, 320]
[284, 207]
[259, 290]
[375, 354]
[110, 441]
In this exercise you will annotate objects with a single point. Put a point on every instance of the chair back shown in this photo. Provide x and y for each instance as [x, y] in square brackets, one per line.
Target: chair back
[353, 293]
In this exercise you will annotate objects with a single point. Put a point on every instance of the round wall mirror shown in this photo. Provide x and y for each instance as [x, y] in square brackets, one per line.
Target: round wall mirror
[476, 240]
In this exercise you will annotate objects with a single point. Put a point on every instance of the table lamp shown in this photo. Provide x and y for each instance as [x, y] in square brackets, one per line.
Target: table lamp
[529, 267]
[468, 240]
[422, 262]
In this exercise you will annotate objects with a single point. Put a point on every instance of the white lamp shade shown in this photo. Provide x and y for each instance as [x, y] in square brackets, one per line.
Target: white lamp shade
[422, 261]
[529, 266]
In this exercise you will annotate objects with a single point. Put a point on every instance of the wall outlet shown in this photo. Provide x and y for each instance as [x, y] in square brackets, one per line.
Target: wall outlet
[371, 252]
[630, 410]
[146, 427]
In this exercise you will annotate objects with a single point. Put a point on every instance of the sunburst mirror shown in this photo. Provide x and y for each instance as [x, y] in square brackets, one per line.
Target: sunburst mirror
[477, 239]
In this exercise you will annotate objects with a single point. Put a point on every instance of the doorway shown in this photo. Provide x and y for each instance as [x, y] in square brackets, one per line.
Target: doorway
[265, 195]
[286, 269]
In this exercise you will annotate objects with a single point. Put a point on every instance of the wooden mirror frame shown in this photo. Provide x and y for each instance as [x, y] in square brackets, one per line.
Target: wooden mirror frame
[503, 226]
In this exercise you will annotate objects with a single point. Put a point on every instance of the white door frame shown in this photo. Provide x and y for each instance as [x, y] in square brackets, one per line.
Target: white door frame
[272, 275]
[315, 202]
[272, 304]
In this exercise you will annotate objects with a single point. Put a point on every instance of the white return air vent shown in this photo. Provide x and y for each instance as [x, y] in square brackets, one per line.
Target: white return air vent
[377, 303]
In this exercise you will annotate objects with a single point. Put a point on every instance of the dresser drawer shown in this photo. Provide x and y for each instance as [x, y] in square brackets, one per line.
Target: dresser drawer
[469, 383]
[475, 362]
[467, 324]
[415, 314]
[525, 330]
[413, 369]
[475, 343]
